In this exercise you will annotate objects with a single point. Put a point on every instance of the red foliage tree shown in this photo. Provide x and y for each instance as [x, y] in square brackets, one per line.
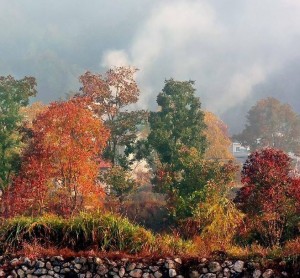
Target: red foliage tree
[60, 168]
[268, 195]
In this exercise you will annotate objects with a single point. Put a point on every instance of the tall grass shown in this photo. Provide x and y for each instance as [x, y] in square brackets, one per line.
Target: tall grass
[103, 232]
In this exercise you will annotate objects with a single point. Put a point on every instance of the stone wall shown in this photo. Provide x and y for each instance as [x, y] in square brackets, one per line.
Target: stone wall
[146, 268]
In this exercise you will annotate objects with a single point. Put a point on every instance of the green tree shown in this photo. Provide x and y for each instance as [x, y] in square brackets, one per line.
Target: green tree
[179, 122]
[14, 94]
[176, 129]
[271, 123]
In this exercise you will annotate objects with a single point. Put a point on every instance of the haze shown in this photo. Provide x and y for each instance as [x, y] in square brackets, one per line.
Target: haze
[237, 51]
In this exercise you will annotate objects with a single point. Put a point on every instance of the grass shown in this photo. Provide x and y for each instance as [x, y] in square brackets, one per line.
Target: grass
[95, 233]
[86, 231]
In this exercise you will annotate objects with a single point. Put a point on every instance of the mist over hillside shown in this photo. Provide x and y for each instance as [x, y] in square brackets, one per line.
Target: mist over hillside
[238, 52]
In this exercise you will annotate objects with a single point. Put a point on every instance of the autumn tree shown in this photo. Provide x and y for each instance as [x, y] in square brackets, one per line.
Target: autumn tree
[268, 196]
[271, 123]
[109, 96]
[60, 169]
[218, 141]
[14, 94]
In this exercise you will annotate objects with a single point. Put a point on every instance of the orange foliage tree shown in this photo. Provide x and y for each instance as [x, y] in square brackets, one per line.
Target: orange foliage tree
[60, 168]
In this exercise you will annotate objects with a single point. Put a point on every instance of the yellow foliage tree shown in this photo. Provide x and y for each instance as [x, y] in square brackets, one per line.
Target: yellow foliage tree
[217, 138]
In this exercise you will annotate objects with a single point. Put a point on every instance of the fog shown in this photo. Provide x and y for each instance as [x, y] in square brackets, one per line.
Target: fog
[236, 51]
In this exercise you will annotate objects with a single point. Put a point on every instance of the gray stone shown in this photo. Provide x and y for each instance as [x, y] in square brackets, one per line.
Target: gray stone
[238, 266]
[21, 273]
[146, 275]
[39, 264]
[226, 272]
[31, 276]
[204, 270]
[256, 273]
[169, 264]
[130, 266]
[178, 260]
[194, 274]
[14, 261]
[122, 272]
[209, 275]
[214, 267]
[172, 272]
[24, 268]
[268, 273]
[284, 274]
[116, 276]
[49, 266]
[51, 272]
[40, 271]
[78, 266]
[88, 275]
[82, 260]
[154, 268]
[136, 273]
[98, 261]
[157, 274]
[102, 269]
[56, 269]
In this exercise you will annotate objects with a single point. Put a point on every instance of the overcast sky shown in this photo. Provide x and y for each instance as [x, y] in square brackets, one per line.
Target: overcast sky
[236, 51]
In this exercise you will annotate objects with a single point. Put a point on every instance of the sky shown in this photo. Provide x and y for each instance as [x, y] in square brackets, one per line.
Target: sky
[237, 51]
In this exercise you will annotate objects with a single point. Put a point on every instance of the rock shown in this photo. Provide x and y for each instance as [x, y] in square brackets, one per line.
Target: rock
[226, 272]
[2, 273]
[268, 273]
[256, 273]
[194, 274]
[56, 269]
[214, 267]
[40, 271]
[169, 264]
[82, 260]
[102, 269]
[179, 276]
[21, 273]
[88, 275]
[139, 265]
[116, 276]
[178, 260]
[130, 267]
[204, 270]
[146, 275]
[238, 266]
[24, 268]
[49, 266]
[78, 266]
[31, 276]
[154, 268]
[209, 275]
[51, 272]
[14, 262]
[157, 274]
[39, 264]
[98, 261]
[172, 272]
[284, 274]
[122, 272]
[136, 273]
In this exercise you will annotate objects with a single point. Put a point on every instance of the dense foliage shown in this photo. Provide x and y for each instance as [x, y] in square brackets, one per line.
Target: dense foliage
[59, 167]
[269, 196]
[14, 94]
[271, 123]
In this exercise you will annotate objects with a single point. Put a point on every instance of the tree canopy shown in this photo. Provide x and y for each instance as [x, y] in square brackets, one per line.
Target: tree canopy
[271, 123]
[14, 94]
